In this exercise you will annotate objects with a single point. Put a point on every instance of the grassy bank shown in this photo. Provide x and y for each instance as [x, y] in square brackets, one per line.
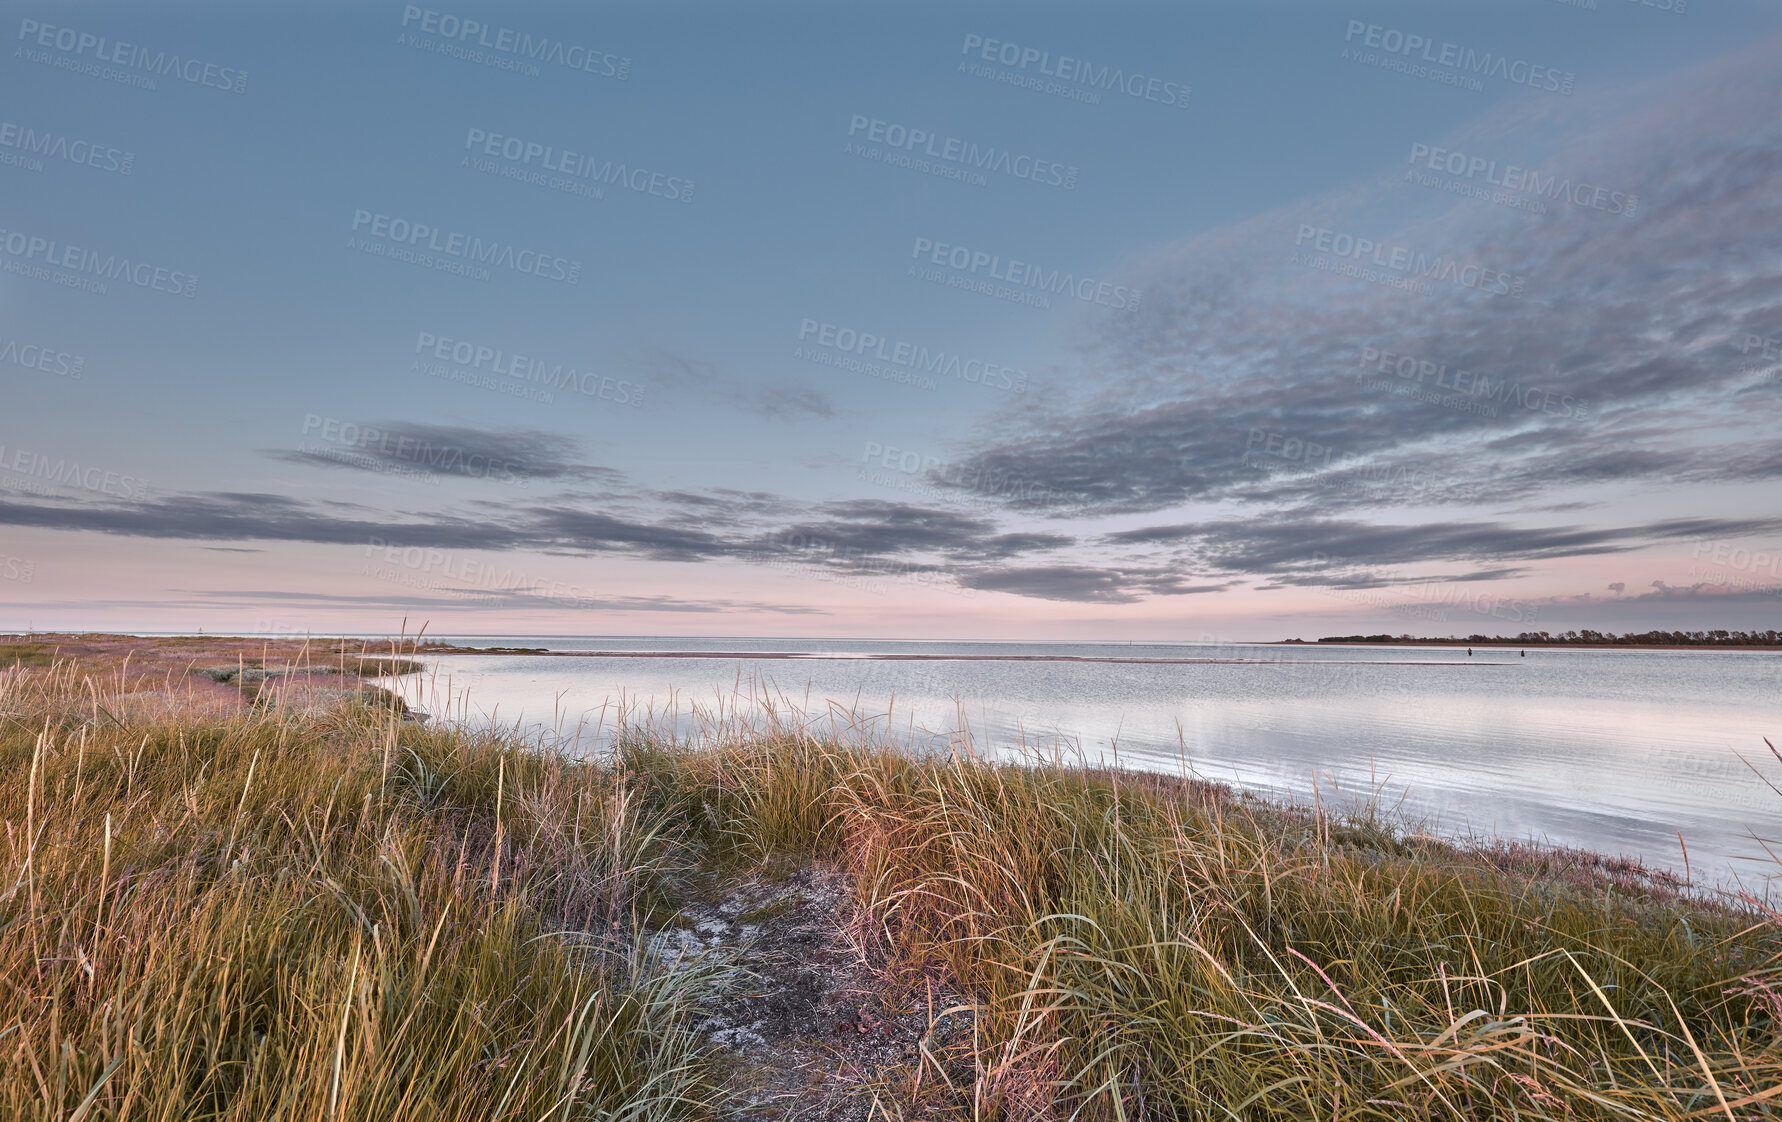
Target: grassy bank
[278, 913]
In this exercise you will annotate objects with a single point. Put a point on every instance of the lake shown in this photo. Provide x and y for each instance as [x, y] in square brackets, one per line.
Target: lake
[1614, 750]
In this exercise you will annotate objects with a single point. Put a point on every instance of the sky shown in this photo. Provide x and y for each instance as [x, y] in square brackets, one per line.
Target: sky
[1209, 321]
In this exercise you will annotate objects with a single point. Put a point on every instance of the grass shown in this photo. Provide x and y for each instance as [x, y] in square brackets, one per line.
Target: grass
[273, 917]
[285, 915]
[1141, 947]
[771, 911]
[26, 654]
[369, 667]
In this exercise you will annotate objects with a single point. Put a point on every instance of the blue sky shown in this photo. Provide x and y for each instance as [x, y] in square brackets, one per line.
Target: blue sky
[1451, 318]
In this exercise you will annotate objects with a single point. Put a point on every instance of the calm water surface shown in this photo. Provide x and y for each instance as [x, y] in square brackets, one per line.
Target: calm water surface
[1613, 750]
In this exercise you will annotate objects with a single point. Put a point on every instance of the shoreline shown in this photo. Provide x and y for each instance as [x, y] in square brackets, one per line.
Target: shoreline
[1544, 646]
[813, 656]
[319, 644]
[321, 647]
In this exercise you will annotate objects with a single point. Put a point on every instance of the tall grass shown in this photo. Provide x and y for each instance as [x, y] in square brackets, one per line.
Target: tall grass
[1138, 947]
[282, 917]
[287, 914]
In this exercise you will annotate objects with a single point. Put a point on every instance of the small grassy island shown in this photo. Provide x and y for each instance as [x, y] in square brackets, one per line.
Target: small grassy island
[1760, 640]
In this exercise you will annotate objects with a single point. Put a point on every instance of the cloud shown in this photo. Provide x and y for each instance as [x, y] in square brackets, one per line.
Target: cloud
[781, 399]
[1081, 584]
[522, 593]
[678, 370]
[1004, 546]
[541, 597]
[1621, 361]
[594, 532]
[1316, 550]
[857, 531]
[1271, 412]
[856, 534]
[252, 516]
[864, 535]
[785, 401]
[875, 526]
[449, 450]
[1734, 590]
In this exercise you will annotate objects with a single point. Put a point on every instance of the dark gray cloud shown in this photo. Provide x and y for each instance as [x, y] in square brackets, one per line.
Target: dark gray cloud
[856, 535]
[542, 596]
[245, 516]
[594, 532]
[872, 537]
[1004, 546]
[237, 516]
[516, 592]
[878, 527]
[1323, 551]
[504, 456]
[1083, 584]
[876, 536]
[716, 510]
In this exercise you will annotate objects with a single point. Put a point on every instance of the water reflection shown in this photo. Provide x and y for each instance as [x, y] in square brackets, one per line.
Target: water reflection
[1612, 750]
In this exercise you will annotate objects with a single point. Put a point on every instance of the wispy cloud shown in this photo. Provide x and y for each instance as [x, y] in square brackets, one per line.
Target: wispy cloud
[1618, 363]
[777, 399]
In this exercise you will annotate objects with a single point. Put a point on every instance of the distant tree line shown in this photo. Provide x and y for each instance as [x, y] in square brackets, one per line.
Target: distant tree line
[1590, 638]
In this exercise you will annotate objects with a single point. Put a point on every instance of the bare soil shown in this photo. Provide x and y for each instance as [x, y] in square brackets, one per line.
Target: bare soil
[807, 1027]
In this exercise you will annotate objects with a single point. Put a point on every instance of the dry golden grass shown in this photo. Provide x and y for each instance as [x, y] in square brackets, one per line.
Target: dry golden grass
[279, 916]
[1138, 947]
[292, 914]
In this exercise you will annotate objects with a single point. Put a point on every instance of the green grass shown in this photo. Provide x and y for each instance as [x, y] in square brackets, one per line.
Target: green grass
[771, 911]
[289, 916]
[247, 672]
[26, 654]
